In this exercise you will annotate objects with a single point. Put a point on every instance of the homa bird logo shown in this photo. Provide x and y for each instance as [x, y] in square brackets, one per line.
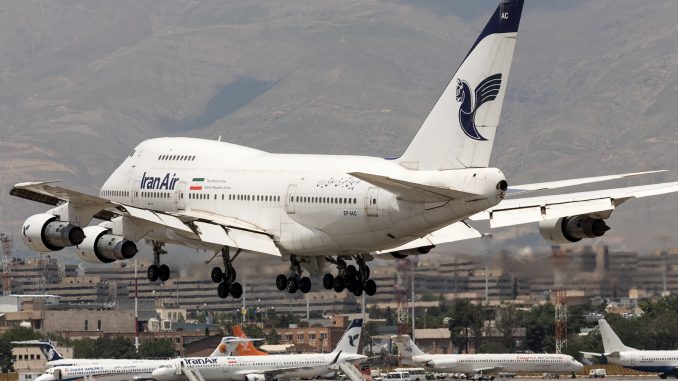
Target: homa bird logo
[352, 339]
[486, 91]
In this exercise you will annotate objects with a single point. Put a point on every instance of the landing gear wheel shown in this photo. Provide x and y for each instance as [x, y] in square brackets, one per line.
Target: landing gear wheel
[163, 273]
[339, 284]
[365, 273]
[217, 274]
[222, 290]
[370, 287]
[351, 271]
[236, 290]
[351, 282]
[305, 284]
[292, 285]
[281, 282]
[357, 289]
[328, 281]
[152, 273]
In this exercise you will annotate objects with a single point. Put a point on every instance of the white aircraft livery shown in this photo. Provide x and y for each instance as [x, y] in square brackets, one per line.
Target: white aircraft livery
[663, 362]
[486, 362]
[261, 368]
[317, 209]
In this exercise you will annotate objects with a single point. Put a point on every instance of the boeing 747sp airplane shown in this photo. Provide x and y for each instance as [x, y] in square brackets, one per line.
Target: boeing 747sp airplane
[317, 209]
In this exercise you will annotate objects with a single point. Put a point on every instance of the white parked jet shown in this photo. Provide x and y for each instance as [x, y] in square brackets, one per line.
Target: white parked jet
[486, 362]
[663, 362]
[226, 347]
[313, 209]
[261, 368]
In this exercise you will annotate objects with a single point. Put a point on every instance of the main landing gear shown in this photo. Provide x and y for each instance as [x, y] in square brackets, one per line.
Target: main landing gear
[348, 277]
[156, 270]
[226, 277]
[295, 281]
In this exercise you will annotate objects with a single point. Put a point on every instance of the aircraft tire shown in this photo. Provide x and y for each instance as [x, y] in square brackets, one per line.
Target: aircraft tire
[152, 273]
[357, 289]
[305, 284]
[339, 284]
[222, 290]
[351, 271]
[370, 287]
[281, 282]
[292, 284]
[163, 273]
[217, 275]
[328, 281]
[236, 290]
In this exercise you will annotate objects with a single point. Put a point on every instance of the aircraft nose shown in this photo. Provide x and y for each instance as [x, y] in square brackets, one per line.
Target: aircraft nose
[579, 366]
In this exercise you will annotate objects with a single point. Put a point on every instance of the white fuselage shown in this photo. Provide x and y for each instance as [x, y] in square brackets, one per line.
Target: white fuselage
[469, 363]
[647, 361]
[116, 370]
[309, 204]
[237, 368]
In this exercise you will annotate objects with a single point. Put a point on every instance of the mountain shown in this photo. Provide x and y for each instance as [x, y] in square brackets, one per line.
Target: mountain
[593, 88]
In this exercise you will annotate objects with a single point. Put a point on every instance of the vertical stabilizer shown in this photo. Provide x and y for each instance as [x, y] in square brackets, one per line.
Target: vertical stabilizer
[611, 342]
[459, 131]
[406, 347]
[246, 348]
[348, 343]
[47, 348]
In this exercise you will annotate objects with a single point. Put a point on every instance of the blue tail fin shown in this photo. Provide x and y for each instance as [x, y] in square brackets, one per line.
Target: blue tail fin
[459, 131]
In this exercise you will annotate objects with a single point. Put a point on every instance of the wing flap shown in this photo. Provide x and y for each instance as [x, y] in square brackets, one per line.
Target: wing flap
[501, 218]
[457, 231]
[412, 191]
[157, 218]
[251, 241]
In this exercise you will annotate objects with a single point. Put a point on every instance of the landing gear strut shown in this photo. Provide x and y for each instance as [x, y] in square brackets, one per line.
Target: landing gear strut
[156, 270]
[355, 280]
[295, 281]
[226, 277]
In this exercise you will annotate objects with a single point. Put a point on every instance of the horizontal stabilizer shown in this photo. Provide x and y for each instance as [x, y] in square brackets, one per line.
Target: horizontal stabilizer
[410, 191]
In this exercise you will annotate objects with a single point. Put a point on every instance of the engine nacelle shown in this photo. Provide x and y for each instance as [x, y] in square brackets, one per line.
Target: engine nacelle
[43, 232]
[100, 246]
[572, 229]
[254, 377]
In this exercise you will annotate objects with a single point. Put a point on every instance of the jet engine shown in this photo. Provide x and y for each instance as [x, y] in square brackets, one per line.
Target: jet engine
[100, 246]
[44, 232]
[572, 229]
[254, 377]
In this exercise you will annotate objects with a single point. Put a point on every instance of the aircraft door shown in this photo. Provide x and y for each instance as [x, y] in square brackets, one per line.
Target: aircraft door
[134, 186]
[371, 202]
[289, 199]
[180, 195]
[57, 374]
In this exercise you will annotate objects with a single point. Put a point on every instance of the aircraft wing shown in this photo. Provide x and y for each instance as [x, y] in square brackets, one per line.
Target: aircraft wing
[457, 231]
[515, 190]
[487, 369]
[194, 229]
[599, 203]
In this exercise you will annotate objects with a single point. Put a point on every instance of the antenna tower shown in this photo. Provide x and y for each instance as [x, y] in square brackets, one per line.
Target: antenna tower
[6, 263]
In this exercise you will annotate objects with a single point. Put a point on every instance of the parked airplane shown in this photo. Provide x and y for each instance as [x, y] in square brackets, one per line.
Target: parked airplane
[486, 362]
[226, 347]
[246, 348]
[313, 209]
[663, 362]
[261, 368]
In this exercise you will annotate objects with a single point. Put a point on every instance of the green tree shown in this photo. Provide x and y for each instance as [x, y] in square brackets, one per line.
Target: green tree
[5, 355]
[157, 349]
[508, 318]
[115, 348]
[273, 337]
[539, 329]
[84, 348]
